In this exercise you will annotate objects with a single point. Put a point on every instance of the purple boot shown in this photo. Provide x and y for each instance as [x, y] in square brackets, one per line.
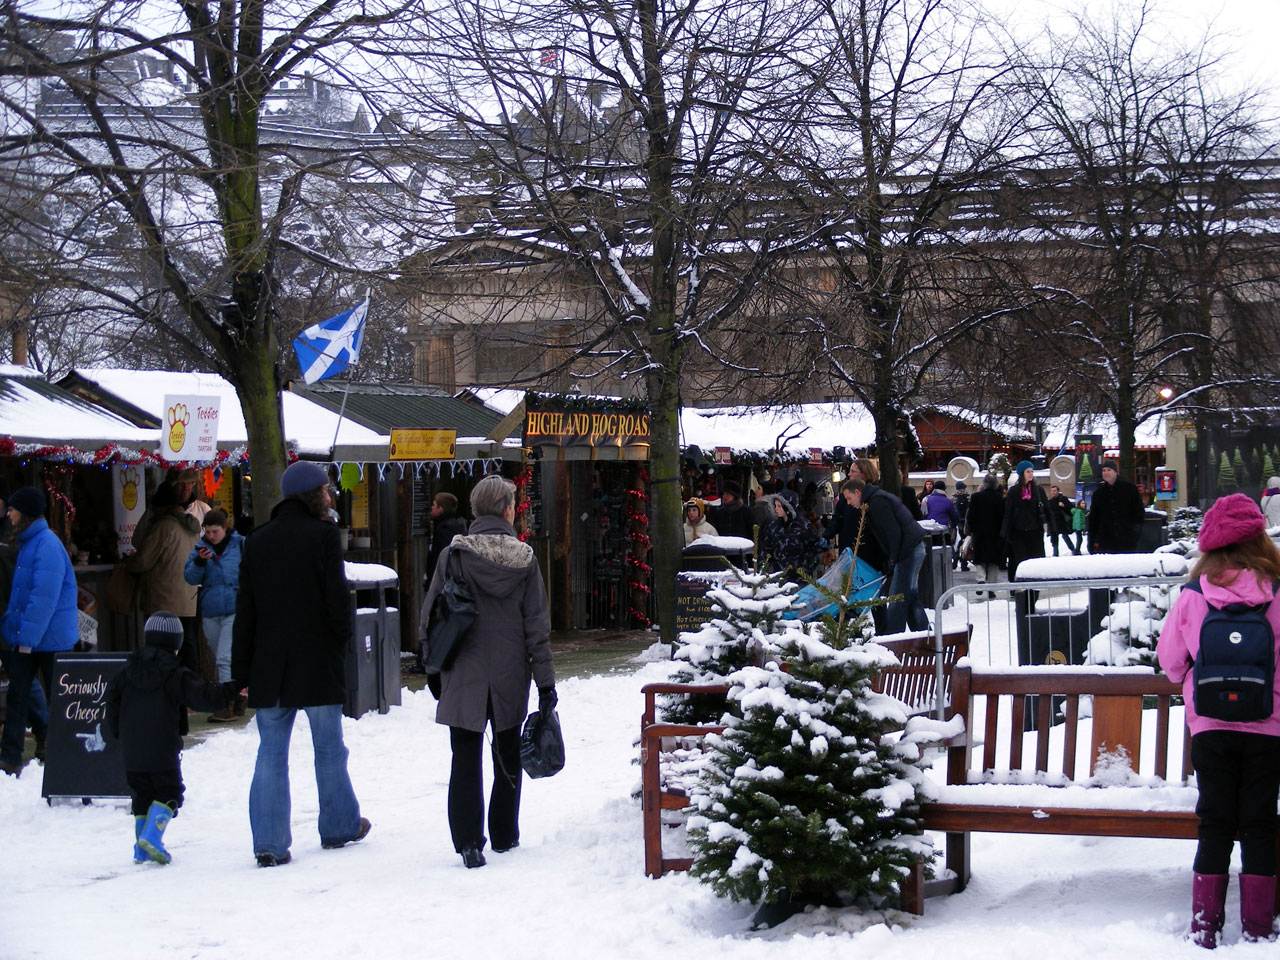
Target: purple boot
[1208, 908]
[1257, 907]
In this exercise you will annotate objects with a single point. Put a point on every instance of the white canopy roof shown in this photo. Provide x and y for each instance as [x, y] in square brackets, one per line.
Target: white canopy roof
[32, 410]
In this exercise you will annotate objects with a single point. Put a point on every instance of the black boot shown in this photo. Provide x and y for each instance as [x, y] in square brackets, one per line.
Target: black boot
[472, 858]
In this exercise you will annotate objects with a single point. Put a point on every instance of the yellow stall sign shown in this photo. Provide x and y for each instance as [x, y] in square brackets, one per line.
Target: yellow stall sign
[423, 444]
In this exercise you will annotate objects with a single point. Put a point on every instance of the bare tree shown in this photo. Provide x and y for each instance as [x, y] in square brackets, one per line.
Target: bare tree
[917, 122]
[1142, 203]
[134, 138]
[637, 147]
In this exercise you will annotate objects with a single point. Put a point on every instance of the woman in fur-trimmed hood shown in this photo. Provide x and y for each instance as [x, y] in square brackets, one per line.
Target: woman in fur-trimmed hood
[488, 681]
[788, 542]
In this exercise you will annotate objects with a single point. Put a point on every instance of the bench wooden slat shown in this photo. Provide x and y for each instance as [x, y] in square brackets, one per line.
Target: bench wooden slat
[989, 743]
[1043, 707]
[1018, 726]
[1162, 737]
[1072, 711]
[1085, 821]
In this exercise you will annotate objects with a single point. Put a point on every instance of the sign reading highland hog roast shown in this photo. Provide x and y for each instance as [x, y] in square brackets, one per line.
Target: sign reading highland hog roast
[189, 427]
[551, 422]
[83, 760]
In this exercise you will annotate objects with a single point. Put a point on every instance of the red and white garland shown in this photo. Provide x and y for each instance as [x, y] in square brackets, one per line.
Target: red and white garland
[637, 508]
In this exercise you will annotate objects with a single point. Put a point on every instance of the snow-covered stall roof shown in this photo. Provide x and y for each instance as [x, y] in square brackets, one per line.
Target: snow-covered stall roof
[1061, 431]
[793, 428]
[306, 424]
[32, 410]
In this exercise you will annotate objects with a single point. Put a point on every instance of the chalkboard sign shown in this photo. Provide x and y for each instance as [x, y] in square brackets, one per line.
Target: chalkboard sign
[82, 759]
[420, 523]
[693, 606]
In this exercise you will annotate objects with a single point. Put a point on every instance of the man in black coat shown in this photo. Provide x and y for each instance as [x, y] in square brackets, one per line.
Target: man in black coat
[292, 629]
[900, 540]
[445, 525]
[1061, 506]
[733, 518]
[1116, 514]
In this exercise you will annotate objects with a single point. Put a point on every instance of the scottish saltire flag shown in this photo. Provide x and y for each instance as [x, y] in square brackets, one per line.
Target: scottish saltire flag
[328, 348]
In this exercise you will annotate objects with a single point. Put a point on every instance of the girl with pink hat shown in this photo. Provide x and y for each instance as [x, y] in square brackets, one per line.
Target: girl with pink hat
[1237, 762]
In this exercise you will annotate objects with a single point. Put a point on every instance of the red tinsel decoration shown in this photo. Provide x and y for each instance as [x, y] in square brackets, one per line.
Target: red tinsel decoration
[638, 522]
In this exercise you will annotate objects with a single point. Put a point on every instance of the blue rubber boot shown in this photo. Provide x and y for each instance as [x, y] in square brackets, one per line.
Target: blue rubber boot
[139, 855]
[158, 818]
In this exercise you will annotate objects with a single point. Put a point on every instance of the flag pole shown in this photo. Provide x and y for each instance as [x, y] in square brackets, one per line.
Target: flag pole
[342, 409]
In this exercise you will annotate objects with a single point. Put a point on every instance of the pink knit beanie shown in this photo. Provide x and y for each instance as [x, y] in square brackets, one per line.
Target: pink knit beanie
[1232, 519]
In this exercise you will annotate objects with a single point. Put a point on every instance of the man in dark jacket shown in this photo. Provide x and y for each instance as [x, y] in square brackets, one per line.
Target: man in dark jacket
[1061, 506]
[147, 705]
[733, 518]
[1116, 514]
[293, 626]
[901, 542]
[985, 523]
[445, 525]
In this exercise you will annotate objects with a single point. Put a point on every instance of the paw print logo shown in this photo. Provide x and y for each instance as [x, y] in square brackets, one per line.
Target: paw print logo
[178, 417]
[129, 488]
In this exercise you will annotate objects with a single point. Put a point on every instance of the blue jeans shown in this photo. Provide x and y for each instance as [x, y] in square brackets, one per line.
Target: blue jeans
[217, 631]
[269, 793]
[909, 611]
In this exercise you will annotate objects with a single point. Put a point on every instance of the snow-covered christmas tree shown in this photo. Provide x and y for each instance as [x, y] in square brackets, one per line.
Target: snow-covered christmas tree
[810, 795]
[1000, 465]
[749, 607]
[1226, 475]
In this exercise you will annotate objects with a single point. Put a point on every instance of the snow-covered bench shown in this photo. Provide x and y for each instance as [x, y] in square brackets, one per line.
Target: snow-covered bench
[663, 768]
[1124, 774]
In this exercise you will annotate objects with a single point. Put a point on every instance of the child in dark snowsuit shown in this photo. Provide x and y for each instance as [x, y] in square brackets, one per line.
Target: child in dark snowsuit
[147, 705]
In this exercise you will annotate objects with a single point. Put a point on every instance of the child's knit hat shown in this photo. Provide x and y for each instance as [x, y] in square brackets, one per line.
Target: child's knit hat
[163, 629]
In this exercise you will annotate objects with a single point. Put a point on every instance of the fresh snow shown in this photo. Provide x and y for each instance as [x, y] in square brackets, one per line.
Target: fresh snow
[1103, 566]
[575, 887]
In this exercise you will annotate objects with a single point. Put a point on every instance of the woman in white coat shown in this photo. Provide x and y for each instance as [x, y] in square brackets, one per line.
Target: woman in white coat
[1270, 502]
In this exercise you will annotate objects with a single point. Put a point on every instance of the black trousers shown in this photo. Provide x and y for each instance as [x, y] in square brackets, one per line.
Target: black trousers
[189, 654]
[1239, 779]
[151, 785]
[22, 667]
[466, 789]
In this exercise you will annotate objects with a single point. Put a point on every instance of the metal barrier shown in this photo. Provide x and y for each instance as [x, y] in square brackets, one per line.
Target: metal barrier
[1028, 622]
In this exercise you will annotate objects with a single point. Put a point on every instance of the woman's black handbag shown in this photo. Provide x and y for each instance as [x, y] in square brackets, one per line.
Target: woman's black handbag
[542, 744]
[452, 616]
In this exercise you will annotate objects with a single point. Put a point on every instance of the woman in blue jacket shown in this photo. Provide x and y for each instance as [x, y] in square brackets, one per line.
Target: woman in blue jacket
[214, 567]
[42, 618]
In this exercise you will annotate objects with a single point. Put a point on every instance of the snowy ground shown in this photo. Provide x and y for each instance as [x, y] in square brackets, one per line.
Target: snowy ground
[574, 887]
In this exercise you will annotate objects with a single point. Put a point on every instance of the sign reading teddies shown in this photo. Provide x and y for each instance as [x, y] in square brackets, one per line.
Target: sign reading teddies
[551, 424]
[189, 427]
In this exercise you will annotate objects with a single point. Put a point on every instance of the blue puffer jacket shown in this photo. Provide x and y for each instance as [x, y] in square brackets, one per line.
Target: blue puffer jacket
[42, 611]
[217, 578]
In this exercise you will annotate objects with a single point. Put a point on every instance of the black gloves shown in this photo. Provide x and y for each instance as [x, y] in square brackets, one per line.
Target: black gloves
[547, 699]
[433, 684]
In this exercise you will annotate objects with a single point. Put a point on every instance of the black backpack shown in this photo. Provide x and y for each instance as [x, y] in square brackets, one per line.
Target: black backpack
[1235, 669]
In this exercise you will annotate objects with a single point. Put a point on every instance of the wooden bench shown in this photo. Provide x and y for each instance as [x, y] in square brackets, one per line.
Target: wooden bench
[1125, 703]
[914, 682]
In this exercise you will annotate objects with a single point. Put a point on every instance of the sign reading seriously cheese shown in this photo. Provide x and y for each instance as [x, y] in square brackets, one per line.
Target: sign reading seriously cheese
[548, 423]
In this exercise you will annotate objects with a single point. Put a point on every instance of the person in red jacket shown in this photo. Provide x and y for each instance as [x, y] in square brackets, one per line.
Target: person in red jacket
[1237, 764]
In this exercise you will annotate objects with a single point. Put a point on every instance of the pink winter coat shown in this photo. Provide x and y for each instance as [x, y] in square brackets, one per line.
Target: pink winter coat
[1180, 641]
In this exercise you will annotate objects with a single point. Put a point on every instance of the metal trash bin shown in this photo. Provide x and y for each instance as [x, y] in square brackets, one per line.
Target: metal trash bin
[936, 576]
[372, 668]
[1153, 535]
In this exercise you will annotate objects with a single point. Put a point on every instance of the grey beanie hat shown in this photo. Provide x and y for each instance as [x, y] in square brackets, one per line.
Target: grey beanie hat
[302, 476]
[163, 629]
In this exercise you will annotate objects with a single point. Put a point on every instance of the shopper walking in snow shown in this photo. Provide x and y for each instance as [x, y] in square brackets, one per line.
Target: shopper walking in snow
[962, 512]
[1027, 518]
[292, 629]
[1116, 514]
[487, 685]
[214, 567]
[900, 544]
[937, 506]
[1079, 523]
[985, 523]
[1060, 505]
[1271, 502]
[147, 705]
[159, 565]
[41, 618]
[1237, 764]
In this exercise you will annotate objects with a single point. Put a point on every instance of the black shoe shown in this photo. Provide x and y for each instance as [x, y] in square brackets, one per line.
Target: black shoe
[365, 827]
[511, 846]
[41, 748]
[12, 769]
[472, 858]
[271, 860]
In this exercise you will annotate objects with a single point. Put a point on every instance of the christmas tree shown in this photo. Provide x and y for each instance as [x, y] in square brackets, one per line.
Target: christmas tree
[1226, 475]
[810, 794]
[999, 463]
[1086, 465]
[1268, 466]
[749, 607]
[1242, 474]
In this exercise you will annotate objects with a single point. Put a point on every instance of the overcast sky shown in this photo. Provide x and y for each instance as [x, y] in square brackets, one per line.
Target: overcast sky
[1248, 28]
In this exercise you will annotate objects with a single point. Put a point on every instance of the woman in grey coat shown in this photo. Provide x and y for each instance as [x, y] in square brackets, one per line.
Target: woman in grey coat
[488, 681]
